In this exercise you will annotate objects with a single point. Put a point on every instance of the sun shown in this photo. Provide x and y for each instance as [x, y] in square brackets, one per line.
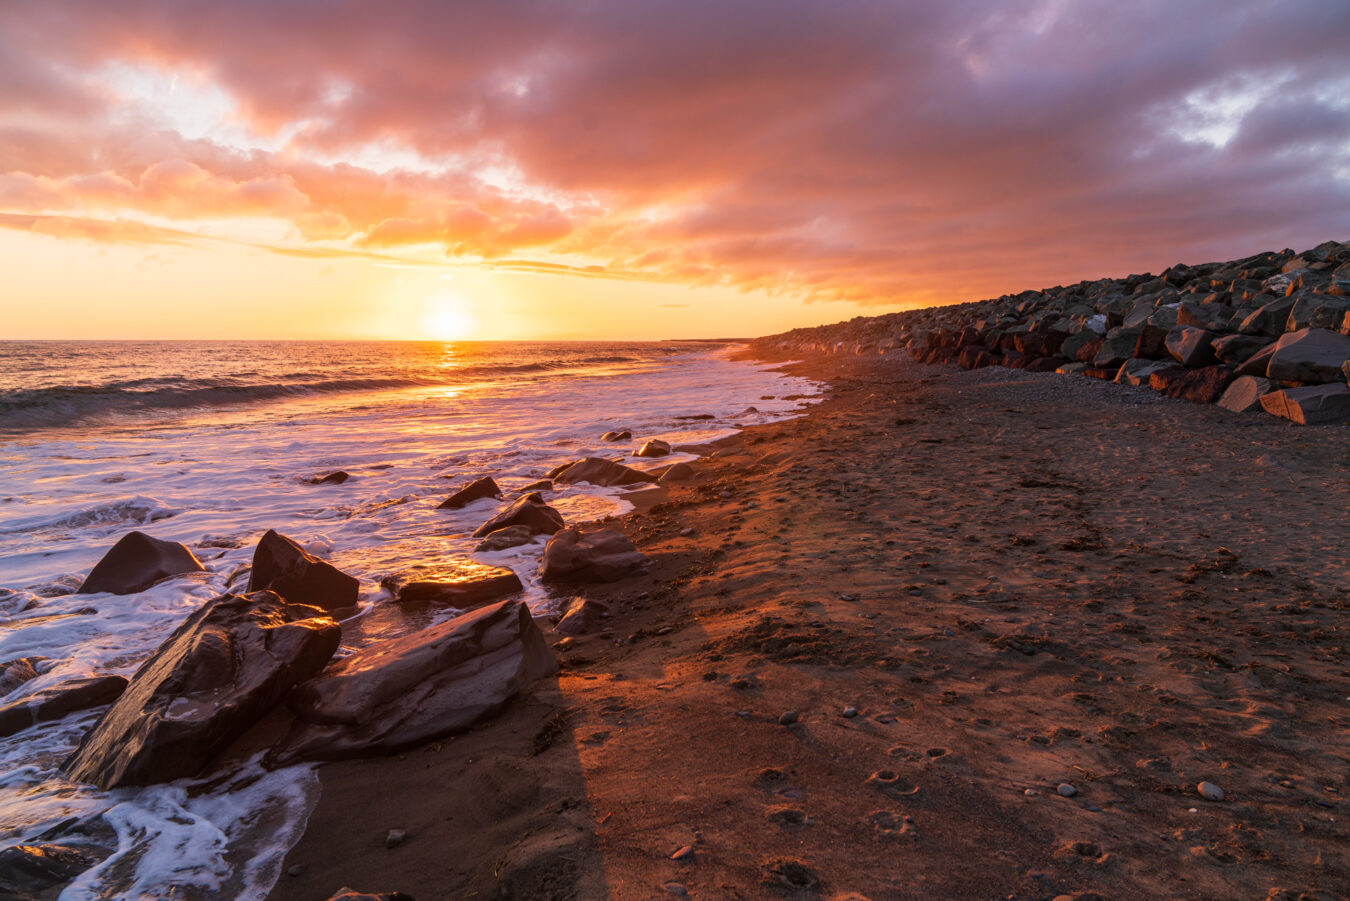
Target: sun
[447, 319]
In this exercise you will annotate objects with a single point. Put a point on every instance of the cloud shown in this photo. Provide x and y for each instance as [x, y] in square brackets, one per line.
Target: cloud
[902, 153]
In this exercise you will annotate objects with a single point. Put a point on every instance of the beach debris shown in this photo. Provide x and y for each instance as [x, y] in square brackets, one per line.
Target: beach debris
[428, 684]
[59, 700]
[529, 511]
[136, 562]
[457, 583]
[475, 490]
[598, 471]
[675, 888]
[581, 616]
[1209, 791]
[599, 555]
[280, 565]
[503, 539]
[336, 477]
[221, 671]
[620, 435]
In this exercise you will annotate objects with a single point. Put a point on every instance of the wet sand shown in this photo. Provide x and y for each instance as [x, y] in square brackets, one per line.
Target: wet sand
[1018, 580]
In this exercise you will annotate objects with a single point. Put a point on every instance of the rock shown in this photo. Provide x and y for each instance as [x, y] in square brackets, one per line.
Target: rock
[598, 471]
[849, 712]
[347, 894]
[1136, 372]
[282, 566]
[1199, 386]
[653, 448]
[1191, 347]
[678, 472]
[475, 490]
[1076, 342]
[509, 537]
[1245, 394]
[1211, 317]
[460, 583]
[1313, 310]
[529, 511]
[1309, 355]
[603, 555]
[333, 478]
[617, 436]
[1209, 791]
[395, 837]
[1310, 405]
[59, 700]
[225, 667]
[1268, 320]
[1088, 352]
[1117, 347]
[560, 469]
[431, 683]
[29, 872]
[1258, 363]
[1066, 790]
[1238, 348]
[541, 485]
[1152, 343]
[14, 673]
[582, 615]
[788, 718]
[136, 562]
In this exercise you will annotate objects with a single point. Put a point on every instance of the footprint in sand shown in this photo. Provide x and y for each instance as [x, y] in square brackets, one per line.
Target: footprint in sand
[892, 783]
[890, 824]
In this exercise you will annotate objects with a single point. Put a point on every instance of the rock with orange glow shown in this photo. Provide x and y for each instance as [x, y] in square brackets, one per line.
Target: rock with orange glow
[653, 448]
[580, 616]
[30, 872]
[475, 490]
[14, 673]
[221, 671]
[281, 565]
[602, 555]
[394, 694]
[59, 700]
[138, 561]
[677, 472]
[598, 471]
[461, 583]
[529, 511]
[622, 435]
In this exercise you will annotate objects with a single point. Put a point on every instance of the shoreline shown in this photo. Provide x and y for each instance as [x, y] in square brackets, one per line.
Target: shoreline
[1018, 581]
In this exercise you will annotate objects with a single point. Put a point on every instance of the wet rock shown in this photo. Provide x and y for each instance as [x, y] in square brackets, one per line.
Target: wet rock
[541, 485]
[653, 448]
[38, 870]
[1310, 405]
[1191, 347]
[136, 562]
[59, 700]
[622, 435]
[678, 472]
[582, 615]
[404, 691]
[598, 471]
[1245, 394]
[528, 511]
[509, 537]
[1238, 348]
[333, 478]
[282, 566]
[14, 673]
[560, 469]
[1309, 355]
[475, 490]
[225, 667]
[461, 583]
[602, 555]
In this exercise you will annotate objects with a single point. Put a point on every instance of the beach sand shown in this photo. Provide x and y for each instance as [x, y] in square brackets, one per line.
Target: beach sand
[1018, 580]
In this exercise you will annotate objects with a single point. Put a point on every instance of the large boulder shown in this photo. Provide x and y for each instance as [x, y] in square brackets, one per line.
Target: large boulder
[598, 471]
[1245, 393]
[438, 681]
[138, 561]
[1152, 343]
[1237, 349]
[59, 700]
[1258, 363]
[1117, 347]
[1312, 310]
[1199, 386]
[602, 555]
[528, 510]
[282, 566]
[1137, 372]
[1311, 404]
[1211, 317]
[1309, 355]
[1191, 347]
[461, 583]
[475, 490]
[221, 671]
[1269, 319]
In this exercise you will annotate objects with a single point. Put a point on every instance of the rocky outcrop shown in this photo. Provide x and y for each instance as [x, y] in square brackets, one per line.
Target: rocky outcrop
[282, 566]
[462, 583]
[58, 701]
[438, 681]
[475, 490]
[601, 555]
[219, 672]
[138, 561]
[598, 471]
[528, 511]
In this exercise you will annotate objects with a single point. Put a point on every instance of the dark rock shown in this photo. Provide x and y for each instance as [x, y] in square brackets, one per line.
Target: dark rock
[462, 583]
[1211, 317]
[1152, 343]
[1137, 372]
[653, 448]
[1245, 394]
[562, 468]
[1310, 405]
[475, 490]
[1309, 355]
[1258, 363]
[1269, 319]
[1199, 386]
[282, 566]
[1117, 347]
[540, 485]
[974, 358]
[1191, 347]
[1044, 364]
[603, 555]
[1088, 352]
[581, 616]
[138, 561]
[1237, 349]
[529, 511]
[59, 700]
[677, 472]
[617, 436]
[438, 681]
[1313, 310]
[30, 872]
[598, 471]
[14, 673]
[333, 478]
[219, 672]
[509, 537]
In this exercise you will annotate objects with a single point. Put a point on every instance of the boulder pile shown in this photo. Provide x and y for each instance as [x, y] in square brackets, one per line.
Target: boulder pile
[1269, 332]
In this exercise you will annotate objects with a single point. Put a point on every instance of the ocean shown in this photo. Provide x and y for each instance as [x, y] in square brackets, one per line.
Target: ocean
[213, 443]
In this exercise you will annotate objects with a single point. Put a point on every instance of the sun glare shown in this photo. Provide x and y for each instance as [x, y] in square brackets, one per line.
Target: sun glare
[447, 320]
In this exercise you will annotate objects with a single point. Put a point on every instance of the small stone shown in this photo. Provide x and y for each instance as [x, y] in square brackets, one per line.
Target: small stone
[685, 533]
[295, 870]
[850, 712]
[675, 888]
[848, 597]
[1031, 793]
[683, 853]
[1066, 790]
[395, 837]
[788, 718]
[743, 714]
[1209, 791]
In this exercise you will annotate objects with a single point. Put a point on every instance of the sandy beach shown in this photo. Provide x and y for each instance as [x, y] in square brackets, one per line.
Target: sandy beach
[953, 634]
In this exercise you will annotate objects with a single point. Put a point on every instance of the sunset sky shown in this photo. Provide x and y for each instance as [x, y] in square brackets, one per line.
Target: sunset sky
[640, 169]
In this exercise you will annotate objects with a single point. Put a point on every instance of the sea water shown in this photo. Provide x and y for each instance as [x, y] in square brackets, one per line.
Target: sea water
[211, 444]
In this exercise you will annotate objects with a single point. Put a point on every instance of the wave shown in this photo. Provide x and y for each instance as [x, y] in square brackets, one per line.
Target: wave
[136, 510]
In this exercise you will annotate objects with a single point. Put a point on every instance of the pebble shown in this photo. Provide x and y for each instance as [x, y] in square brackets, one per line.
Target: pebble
[848, 597]
[684, 853]
[850, 711]
[675, 888]
[1209, 791]
[743, 714]
[1066, 790]
[685, 533]
[788, 718]
[1031, 793]
[295, 870]
[395, 837]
